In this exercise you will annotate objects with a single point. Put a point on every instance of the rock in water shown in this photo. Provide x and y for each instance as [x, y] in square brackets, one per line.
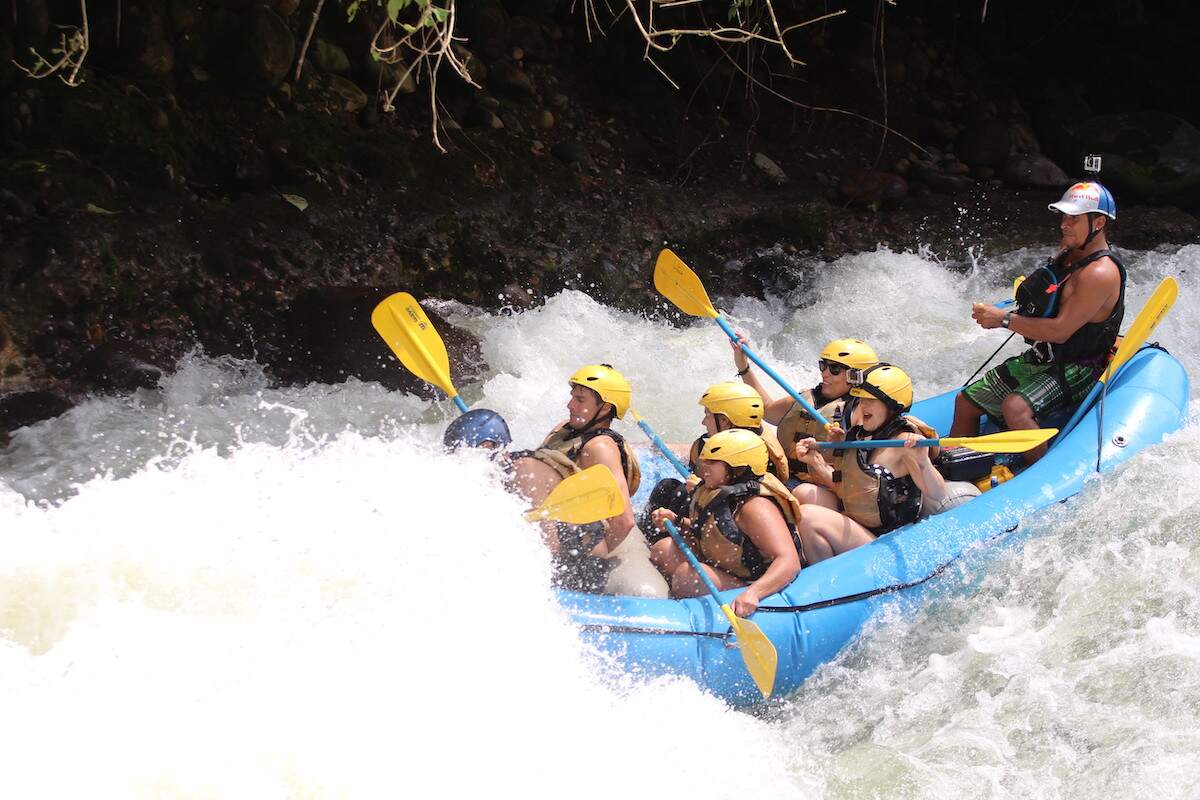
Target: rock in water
[25, 408]
[329, 338]
[119, 366]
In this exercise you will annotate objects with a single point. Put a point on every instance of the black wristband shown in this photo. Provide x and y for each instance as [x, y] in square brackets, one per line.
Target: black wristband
[742, 372]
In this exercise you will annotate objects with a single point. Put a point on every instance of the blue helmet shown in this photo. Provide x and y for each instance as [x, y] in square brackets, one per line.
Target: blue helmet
[476, 427]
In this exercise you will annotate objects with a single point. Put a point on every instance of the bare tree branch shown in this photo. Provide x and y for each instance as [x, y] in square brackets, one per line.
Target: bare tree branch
[312, 26]
[72, 49]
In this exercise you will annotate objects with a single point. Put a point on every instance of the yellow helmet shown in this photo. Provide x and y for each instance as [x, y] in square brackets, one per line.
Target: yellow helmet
[737, 447]
[737, 401]
[606, 382]
[854, 353]
[883, 382]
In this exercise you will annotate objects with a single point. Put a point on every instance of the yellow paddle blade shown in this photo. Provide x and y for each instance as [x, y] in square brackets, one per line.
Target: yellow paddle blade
[403, 324]
[757, 651]
[1003, 442]
[675, 281]
[1158, 304]
[586, 496]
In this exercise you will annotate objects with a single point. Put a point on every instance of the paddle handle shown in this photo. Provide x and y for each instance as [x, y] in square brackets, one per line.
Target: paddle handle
[871, 444]
[807, 406]
[695, 562]
[683, 471]
[458, 401]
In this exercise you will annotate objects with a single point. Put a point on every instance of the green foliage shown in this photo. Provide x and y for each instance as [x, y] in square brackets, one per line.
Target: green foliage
[424, 14]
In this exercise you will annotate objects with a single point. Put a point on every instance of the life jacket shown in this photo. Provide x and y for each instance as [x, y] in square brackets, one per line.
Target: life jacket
[798, 424]
[722, 543]
[869, 493]
[1038, 296]
[562, 447]
[777, 462]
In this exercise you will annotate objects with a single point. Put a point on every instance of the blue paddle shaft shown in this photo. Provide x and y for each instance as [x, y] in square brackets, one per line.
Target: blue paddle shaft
[732, 334]
[683, 471]
[871, 444]
[458, 401]
[691, 557]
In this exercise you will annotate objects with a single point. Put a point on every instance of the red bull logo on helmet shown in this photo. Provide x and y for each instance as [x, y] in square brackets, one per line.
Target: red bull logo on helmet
[1085, 192]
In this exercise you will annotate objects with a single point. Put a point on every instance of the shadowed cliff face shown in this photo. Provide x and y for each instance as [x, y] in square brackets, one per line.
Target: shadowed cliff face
[190, 192]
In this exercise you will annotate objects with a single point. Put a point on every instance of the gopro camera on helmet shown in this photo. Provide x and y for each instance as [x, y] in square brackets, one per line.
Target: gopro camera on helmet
[1091, 164]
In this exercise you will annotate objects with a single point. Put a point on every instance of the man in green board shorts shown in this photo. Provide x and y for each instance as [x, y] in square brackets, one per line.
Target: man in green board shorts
[1069, 309]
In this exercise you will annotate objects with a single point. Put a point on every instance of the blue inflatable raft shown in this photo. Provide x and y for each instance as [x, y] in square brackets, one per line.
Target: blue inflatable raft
[829, 603]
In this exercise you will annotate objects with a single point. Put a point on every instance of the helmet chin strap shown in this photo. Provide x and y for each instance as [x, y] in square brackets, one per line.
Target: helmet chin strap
[889, 423]
[595, 417]
[1092, 231]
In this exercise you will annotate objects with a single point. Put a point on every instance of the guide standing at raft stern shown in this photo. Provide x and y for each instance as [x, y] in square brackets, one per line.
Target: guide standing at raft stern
[1069, 310]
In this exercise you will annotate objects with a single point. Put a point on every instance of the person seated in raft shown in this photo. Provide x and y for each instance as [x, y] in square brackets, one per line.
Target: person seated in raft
[877, 490]
[829, 397]
[741, 524]
[610, 556]
[1070, 311]
[482, 428]
[727, 405]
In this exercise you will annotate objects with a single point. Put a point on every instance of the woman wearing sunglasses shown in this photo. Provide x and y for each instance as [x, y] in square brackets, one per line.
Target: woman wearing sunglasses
[828, 397]
[877, 490]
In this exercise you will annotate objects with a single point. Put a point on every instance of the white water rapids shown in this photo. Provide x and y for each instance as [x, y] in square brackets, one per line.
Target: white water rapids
[223, 589]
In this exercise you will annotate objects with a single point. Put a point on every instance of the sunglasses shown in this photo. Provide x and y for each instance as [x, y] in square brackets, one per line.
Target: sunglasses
[832, 367]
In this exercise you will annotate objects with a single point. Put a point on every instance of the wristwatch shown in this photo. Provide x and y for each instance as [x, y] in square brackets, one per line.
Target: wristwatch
[1007, 318]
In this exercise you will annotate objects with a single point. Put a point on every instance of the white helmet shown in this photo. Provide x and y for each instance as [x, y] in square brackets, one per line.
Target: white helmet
[1087, 198]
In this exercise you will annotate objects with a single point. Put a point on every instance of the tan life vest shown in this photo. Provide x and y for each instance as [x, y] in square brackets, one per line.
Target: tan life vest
[562, 446]
[798, 424]
[859, 484]
[722, 544]
[777, 463]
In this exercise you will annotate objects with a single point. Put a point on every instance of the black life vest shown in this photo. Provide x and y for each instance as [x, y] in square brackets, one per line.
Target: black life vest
[722, 543]
[869, 493]
[1038, 296]
[561, 448]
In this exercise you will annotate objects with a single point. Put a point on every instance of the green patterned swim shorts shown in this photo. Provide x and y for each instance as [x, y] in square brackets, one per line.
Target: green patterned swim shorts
[1042, 385]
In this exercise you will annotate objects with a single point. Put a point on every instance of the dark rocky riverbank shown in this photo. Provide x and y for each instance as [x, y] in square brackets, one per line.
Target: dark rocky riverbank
[189, 192]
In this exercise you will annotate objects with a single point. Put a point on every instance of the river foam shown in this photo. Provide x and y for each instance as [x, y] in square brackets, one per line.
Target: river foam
[224, 588]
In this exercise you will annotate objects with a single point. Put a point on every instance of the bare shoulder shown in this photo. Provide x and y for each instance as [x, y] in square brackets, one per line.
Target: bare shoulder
[600, 446]
[757, 508]
[1102, 270]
